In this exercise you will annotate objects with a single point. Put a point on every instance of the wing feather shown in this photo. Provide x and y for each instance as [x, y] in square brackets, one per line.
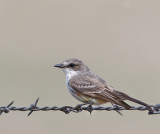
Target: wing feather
[93, 86]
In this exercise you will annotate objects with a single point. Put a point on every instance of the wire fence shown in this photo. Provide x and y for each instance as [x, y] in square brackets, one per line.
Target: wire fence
[76, 109]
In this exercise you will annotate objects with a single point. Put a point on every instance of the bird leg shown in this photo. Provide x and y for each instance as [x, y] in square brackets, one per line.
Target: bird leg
[78, 108]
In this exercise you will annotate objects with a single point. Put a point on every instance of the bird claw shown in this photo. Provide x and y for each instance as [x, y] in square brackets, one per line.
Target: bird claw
[78, 108]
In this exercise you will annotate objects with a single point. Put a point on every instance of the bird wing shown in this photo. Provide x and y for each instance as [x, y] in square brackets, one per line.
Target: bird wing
[92, 85]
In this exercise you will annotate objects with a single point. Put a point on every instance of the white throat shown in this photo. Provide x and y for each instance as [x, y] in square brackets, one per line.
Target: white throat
[70, 73]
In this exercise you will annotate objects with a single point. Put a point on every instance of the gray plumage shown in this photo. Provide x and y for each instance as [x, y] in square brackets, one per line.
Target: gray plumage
[90, 88]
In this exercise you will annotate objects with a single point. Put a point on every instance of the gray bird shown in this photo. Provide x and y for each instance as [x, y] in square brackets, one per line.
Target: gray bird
[89, 88]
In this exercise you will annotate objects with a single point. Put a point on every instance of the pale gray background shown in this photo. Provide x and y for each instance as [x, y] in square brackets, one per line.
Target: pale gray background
[117, 39]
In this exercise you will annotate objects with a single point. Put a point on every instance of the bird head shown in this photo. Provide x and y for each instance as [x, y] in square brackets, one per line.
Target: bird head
[72, 65]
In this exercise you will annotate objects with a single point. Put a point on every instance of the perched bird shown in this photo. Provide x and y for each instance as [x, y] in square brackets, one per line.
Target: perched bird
[89, 88]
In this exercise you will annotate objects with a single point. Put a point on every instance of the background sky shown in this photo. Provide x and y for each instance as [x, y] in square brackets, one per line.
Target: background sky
[118, 40]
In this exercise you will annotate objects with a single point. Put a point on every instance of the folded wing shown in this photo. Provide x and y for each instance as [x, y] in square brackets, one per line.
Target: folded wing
[95, 87]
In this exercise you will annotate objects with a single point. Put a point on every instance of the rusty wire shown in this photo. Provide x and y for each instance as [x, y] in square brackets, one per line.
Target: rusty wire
[76, 109]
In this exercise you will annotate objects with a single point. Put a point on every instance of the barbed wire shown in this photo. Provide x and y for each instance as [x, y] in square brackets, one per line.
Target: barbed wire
[76, 109]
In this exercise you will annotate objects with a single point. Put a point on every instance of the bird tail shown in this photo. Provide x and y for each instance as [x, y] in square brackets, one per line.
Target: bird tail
[123, 104]
[123, 96]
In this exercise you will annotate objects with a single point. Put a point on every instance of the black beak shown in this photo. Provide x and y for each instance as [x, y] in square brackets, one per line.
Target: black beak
[59, 65]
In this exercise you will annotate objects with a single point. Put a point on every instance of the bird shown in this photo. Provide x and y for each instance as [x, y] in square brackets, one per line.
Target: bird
[91, 89]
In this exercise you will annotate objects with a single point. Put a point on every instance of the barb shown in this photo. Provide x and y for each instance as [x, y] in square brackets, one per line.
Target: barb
[33, 107]
[76, 109]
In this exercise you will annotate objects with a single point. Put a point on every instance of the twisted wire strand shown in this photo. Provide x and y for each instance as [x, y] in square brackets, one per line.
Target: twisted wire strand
[76, 109]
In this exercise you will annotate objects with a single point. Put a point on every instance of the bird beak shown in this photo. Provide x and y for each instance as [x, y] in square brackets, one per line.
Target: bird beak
[59, 65]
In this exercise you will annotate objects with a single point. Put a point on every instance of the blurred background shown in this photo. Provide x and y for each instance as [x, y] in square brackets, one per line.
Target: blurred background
[118, 39]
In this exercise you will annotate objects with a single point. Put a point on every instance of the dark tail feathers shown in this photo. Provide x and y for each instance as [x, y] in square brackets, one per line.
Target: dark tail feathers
[123, 96]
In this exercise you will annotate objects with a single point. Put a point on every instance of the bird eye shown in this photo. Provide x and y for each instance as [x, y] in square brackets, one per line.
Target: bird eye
[71, 65]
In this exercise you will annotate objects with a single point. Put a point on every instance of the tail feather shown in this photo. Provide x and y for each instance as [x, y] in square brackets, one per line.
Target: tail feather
[123, 104]
[141, 103]
[124, 96]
